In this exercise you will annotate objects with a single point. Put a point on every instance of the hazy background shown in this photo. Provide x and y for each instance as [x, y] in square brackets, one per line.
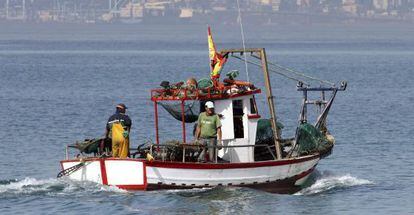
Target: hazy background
[260, 12]
[59, 82]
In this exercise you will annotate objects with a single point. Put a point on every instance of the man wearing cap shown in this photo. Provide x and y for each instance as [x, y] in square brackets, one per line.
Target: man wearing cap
[208, 131]
[117, 129]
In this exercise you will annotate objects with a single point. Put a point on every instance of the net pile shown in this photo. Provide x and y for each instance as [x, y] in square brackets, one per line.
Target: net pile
[88, 146]
[310, 140]
[264, 136]
[264, 131]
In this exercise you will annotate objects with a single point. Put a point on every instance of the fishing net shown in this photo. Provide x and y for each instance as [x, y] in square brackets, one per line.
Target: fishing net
[191, 110]
[264, 130]
[89, 146]
[204, 83]
[311, 139]
[264, 136]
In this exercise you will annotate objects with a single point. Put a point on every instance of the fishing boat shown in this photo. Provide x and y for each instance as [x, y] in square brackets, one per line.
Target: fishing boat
[252, 152]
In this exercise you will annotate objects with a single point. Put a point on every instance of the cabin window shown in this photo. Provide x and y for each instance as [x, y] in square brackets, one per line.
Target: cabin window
[253, 107]
[238, 118]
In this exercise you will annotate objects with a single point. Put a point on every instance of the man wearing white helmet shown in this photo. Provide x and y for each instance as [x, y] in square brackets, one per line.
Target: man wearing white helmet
[208, 131]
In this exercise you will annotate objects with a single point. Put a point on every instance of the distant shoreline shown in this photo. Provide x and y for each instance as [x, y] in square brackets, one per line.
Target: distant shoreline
[230, 19]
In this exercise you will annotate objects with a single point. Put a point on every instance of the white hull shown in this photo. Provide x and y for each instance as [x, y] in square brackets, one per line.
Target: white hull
[138, 174]
[124, 173]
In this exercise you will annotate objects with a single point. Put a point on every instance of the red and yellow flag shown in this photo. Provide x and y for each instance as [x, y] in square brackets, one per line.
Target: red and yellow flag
[217, 60]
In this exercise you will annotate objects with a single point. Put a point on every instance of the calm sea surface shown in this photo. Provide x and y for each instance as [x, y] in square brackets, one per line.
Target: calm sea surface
[59, 84]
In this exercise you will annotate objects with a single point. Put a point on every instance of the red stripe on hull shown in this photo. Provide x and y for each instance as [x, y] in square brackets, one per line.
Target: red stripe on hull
[178, 165]
[190, 165]
[132, 187]
[103, 172]
[284, 186]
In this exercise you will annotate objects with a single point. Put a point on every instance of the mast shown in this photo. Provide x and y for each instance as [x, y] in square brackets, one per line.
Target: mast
[270, 101]
[271, 104]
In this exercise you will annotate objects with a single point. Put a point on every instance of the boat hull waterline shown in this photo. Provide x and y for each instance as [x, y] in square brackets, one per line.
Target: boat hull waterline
[279, 176]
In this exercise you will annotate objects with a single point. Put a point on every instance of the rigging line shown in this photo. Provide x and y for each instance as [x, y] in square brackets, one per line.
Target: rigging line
[243, 41]
[302, 74]
[277, 72]
[298, 73]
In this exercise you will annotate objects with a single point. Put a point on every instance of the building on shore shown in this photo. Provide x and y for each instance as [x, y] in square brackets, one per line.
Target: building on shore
[200, 11]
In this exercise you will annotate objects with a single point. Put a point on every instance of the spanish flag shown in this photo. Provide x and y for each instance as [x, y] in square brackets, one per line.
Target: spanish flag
[217, 60]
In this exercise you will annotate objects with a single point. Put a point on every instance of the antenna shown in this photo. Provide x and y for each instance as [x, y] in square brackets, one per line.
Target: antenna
[239, 18]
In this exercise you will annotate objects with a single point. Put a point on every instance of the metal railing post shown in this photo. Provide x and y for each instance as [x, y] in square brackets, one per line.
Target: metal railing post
[183, 154]
[215, 153]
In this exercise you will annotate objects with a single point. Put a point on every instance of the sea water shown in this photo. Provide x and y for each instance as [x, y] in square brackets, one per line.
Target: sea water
[60, 83]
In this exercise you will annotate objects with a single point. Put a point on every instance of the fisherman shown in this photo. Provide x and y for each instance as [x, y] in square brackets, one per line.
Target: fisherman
[208, 132]
[117, 129]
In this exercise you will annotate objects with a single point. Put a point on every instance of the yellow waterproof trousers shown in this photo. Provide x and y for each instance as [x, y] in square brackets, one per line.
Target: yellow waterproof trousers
[120, 144]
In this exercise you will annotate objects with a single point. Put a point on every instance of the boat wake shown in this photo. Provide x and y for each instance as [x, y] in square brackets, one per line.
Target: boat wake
[327, 182]
[322, 182]
[51, 187]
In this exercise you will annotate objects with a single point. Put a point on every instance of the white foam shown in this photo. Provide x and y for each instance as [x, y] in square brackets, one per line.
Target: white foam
[331, 182]
[52, 186]
[27, 185]
[113, 189]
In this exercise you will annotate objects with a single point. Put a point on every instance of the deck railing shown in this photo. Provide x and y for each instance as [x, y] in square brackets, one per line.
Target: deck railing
[184, 146]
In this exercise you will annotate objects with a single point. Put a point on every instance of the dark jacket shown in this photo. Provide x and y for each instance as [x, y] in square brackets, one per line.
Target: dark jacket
[121, 118]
